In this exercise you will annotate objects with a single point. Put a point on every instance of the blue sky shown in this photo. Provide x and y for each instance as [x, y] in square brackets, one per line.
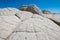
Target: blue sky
[52, 5]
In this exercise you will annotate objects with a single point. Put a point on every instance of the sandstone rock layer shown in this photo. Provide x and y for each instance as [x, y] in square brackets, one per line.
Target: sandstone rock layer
[23, 25]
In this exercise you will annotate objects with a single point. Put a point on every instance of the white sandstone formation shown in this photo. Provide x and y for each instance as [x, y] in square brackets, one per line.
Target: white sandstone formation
[1, 39]
[8, 11]
[35, 10]
[33, 26]
[54, 17]
[23, 15]
[7, 25]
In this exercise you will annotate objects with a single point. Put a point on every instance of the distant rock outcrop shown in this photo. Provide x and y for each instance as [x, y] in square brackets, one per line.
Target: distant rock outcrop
[23, 7]
[31, 8]
[46, 12]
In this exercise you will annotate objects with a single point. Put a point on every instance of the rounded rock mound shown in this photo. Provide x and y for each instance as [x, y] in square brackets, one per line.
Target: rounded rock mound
[33, 26]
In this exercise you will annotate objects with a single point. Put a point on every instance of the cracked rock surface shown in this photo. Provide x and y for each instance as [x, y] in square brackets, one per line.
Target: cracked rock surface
[7, 25]
[33, 27]
[1, 39]
[23, 15]
[53, 17]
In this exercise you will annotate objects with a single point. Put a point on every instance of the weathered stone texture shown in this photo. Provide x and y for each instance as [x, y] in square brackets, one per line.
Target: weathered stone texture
[27, 26]
[23, 15]
[1, 39]
[54, 17]
[7, 25]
